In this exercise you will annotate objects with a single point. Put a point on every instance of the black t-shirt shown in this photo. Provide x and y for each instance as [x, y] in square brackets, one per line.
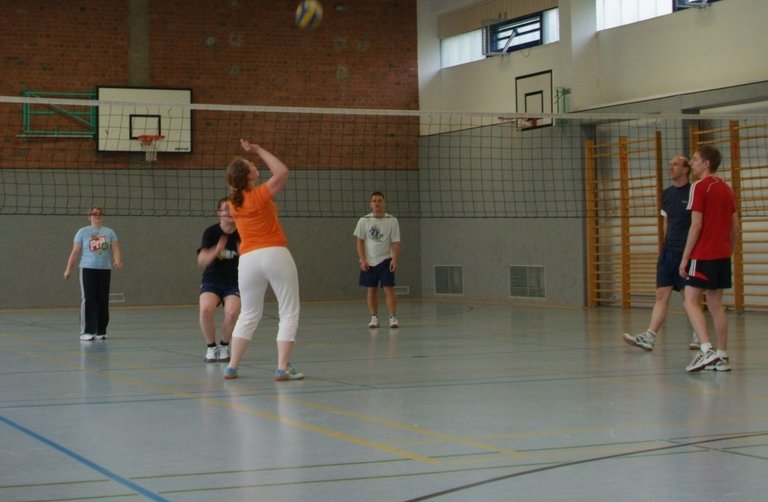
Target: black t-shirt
[222, 270]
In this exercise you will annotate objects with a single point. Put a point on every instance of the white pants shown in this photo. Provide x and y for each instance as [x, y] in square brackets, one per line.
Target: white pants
[273, 266]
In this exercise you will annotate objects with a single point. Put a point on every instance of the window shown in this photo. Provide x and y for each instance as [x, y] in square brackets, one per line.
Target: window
[536, 29]
[514, 35]
[461, 49]
[687, 4]
[612, 13]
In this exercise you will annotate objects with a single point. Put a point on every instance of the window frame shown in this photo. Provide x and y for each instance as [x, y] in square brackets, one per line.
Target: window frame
[679, 5]
[495, 37]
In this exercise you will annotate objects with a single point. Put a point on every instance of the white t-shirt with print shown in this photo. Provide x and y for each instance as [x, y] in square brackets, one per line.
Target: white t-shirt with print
[378, 234]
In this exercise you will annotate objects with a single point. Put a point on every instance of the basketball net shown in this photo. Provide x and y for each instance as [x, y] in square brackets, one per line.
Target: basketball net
[150, 143]
[521, 124]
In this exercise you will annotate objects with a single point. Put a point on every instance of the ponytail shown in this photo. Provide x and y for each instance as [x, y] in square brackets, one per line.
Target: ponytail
[237, 179]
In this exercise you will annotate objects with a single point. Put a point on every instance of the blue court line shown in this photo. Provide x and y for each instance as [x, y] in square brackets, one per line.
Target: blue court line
[111, 475]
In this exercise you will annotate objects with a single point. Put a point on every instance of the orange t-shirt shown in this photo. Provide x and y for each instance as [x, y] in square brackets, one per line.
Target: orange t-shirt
[257, 221]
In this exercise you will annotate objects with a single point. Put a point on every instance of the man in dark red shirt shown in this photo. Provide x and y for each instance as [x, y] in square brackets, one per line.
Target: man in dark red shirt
[706, 262]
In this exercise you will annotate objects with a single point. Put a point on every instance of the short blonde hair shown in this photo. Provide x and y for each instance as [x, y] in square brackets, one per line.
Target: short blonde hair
[680, 159]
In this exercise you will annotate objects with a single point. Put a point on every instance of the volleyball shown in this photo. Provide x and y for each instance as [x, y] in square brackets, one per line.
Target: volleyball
[309, 13]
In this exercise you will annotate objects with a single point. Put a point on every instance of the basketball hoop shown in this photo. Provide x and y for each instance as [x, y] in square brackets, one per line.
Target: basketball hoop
[521, 123]
[149, 143]
[533, 122]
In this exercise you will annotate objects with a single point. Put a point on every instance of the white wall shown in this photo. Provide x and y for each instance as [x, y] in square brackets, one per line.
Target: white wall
[698, 49]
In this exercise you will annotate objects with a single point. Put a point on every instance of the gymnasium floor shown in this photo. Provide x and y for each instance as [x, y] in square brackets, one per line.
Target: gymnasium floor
[477, 402]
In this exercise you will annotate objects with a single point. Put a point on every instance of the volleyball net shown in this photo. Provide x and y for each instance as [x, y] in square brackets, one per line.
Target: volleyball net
[62, 156]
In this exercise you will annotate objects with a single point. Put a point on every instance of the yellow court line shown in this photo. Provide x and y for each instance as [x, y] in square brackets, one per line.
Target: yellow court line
[327, 432]
[404, 427]
[226, 404]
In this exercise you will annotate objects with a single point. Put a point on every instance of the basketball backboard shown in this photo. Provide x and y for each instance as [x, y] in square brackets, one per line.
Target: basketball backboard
[125, 113]
[534, 97]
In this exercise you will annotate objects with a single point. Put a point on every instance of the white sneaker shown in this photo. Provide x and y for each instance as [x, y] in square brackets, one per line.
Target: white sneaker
[224, 354]
[86, 337]
[101, 337]
[374, 322]
[211, 355]
[702, 360]
[393, 322]
[643, 340]
[720, 364]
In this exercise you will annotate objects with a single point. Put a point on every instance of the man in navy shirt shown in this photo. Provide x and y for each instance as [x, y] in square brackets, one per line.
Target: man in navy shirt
[677, 220]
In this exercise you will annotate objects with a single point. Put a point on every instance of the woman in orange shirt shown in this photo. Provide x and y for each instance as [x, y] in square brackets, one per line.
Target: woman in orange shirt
[264, 259]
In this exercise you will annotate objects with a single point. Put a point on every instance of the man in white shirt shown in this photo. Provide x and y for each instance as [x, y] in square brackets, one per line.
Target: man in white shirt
[378, 249]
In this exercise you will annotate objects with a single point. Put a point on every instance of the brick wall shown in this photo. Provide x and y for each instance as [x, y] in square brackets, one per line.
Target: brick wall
[62, 45]
[227, 51]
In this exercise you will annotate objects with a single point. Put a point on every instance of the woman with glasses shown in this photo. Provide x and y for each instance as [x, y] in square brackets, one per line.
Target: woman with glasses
[97, 250]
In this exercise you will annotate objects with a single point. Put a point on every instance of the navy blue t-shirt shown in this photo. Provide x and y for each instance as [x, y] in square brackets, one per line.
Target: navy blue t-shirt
[674, 202]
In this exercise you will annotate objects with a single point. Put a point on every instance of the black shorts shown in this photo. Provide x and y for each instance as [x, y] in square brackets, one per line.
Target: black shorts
[668, 270]
[709, 274]
[219, 289]
[378, 275]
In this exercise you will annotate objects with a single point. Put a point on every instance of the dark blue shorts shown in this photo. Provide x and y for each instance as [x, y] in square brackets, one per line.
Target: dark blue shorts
[709, 274]
[378, 275]
[218, 289]
[668, 270]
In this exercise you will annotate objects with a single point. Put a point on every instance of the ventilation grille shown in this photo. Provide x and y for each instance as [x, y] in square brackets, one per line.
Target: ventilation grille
[402, 290]
[449, 280]
[526, 281]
